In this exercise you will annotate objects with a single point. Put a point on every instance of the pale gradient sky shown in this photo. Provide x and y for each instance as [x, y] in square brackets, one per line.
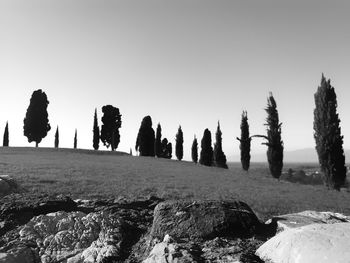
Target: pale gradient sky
[188, 63]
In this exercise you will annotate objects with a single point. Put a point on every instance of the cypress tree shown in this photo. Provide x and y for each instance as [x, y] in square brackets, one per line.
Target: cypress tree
[36, 122]
[274, 141]
[111, 122]
[179, 151]
[6, 136]
[194, 150]
[145, 138]
[206, 155]
[96, 132]
[75, 139]
[328, 138]
[245, 141]
[166, 149]
[219, 156]
[158, 142]
[169, 150]
[56, 138]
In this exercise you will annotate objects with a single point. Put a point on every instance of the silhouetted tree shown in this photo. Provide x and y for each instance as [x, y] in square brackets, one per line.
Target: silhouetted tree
[274, 141]
[179, 151]
[194, 150]
[96, 132]
[219, 156]
[329, 141]
[6, 136]
[158, 142]
[169, 149]
[56, 138]
[111, 120]
[75, 139]
[166, 151]
[206, 156]
[145, 138]
[36, 122]
[245, 141]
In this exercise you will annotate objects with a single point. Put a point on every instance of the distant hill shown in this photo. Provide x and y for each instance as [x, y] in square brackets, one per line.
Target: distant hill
[307, 155]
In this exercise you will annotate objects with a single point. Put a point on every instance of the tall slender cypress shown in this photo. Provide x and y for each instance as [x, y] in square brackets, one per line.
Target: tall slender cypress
[328, 138]
[57, 138]
[6, 136]
[158, 142]
[219, 156]
[245, 141]
[194, 150]
[75, 139]
[274, 141]
[96, 132]
[179, 150]
[206, 155]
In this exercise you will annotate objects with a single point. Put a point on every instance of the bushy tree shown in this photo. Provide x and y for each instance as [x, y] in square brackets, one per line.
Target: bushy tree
[96, 132]
[158, 142]
[329, 141]
[56, 138]
[6, 136]
[219, 156]
[166, 149]
[179, 150]
[36, 122]
[145, 138]
[111, 122]
[194, 150]
[75, 139]
[245, 141]
[206, 155]
[273, 138]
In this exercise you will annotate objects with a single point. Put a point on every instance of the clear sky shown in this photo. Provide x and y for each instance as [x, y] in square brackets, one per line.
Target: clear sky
[183, 62]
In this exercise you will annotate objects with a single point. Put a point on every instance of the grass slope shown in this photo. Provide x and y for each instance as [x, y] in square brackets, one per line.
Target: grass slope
[101, 174]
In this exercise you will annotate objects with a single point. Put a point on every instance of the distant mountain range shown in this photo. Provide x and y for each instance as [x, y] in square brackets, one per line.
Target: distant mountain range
[307, 155]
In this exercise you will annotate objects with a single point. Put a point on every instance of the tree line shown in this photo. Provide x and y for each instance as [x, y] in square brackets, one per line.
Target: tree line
[327, 135]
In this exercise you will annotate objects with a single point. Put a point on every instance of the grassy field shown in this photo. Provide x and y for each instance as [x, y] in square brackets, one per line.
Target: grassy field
[99, 174]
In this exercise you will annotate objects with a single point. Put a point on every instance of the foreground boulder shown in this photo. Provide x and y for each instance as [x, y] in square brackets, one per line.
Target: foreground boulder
[203, 220]
[312, 243]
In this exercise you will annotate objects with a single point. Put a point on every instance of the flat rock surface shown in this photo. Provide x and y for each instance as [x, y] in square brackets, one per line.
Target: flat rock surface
[308, 217]
[322, 243]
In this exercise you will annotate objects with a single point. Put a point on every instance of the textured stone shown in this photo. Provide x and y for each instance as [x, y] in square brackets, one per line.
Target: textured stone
[169, 251]
[312, 243]
[59, 236]
[203, 219]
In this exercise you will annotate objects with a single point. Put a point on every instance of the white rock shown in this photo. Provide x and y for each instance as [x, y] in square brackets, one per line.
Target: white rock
[308, 217]
[321, 243]
[168, 251]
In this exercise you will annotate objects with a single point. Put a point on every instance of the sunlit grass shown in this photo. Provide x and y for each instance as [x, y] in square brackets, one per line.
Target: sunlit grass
[98, 174]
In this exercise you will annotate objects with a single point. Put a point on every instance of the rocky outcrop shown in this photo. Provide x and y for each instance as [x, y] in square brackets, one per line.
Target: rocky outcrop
[320, 243]
[49, 229]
